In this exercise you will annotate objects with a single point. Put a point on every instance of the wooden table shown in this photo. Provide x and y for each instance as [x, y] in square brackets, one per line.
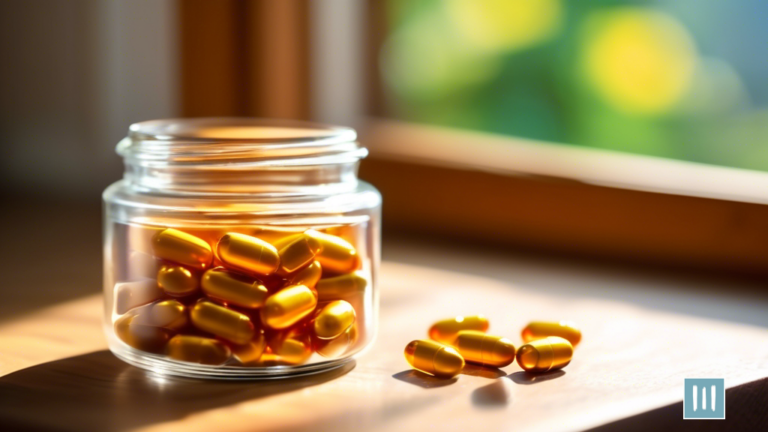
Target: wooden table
[55, 371]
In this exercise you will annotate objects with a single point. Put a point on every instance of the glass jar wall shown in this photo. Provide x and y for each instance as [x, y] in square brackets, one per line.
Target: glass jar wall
[239, 248]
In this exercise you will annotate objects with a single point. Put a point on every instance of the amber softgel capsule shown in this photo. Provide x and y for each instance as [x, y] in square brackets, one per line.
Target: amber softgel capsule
[333, 319]
[445, 331]
[177, 281]
[196, 349]
[182, 248]
[223, 322]
[434, 358]
[541, 329]
[234, 289]
[544, 355]
[484, 349]
[287, 307]
[248, 254]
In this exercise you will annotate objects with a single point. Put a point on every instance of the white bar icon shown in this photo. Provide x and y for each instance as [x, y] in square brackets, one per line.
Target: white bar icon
[713, 397]
[703, 398]
[695, 394]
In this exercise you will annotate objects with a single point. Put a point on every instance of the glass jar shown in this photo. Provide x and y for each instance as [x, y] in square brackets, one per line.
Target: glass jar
[240, 248]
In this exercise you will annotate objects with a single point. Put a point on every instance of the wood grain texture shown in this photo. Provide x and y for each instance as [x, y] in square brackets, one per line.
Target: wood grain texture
[57, 375]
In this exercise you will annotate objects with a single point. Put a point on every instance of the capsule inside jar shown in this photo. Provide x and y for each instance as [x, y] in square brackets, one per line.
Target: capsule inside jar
[222, 322]
[289, 348]
[333, 319]
[168, 314]
[196, 349]
[250, 353]
[176, 280]
[143, 337]
[233, 288]
[336, 254]
[288, 306]
[296, 252]
[334, 348]
[307, 276]
[129, 295]
[340, 287]
[182, 248]
[248, 253]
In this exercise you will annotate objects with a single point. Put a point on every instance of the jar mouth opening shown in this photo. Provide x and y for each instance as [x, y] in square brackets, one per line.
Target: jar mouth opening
[238, 141]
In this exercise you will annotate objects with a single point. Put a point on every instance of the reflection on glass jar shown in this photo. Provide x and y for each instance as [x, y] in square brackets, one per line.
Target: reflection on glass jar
[238, 248]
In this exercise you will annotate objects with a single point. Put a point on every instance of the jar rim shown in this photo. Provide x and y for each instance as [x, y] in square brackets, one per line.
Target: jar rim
[238, 141]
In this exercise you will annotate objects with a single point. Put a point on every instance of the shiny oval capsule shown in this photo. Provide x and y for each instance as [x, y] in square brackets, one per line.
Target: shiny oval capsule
[336, 254]
[288, 306]
[248, 253]
[541, 329]
[445, 331]
[182, 248]
[308, 276]
[147, 338]
[484, 349]
[222, 322]
[336, 347]
[196, 349]
[296, 252]
[434, 358]
[129, 295]
[251, 352]
[340, 287]
[235, 289]
[333, 319]
[176, 280]
[168, 314]
[544, 355]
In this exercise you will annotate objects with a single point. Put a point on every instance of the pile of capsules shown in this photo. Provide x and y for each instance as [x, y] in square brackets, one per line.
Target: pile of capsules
[251, 303]
[548, 346]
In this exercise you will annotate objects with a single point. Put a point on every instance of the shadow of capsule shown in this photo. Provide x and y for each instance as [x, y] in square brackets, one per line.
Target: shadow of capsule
[527, 378]
[483, 371]
[423, 380]
[98, 392]
[494, 395]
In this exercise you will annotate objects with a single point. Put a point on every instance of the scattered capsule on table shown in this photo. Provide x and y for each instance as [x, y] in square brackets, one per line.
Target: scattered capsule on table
[129, 295]
[478, 347]
[143, 337]
[296, 251]
[336, 254]
[434, 358]
[543, 355]
[288, 306]
[540, 329]
[196, 349]
[308, 276]
[334, 319]
[182, 248]
[222, 322]
[445, 331]
[233, 288]
[340, 287]
[251, 352]
[168, 314]
[248, 253]
[334, 348]
[176, 280]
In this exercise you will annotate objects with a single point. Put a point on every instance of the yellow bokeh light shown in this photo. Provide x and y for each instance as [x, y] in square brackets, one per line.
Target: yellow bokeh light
[640, 61]
[506, 25]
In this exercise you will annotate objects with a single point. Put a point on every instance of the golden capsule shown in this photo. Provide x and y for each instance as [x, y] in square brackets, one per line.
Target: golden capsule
[147, 338]
[334, 319]
[434, 358]
[182, 248]
[251, 352]
[176, 280]
[564, 329]
[336, 254]
[478, 347]
[129, 295]
[340, 287]
[296, 251]
[543, 355]
[196, 349]
[445, 331]
[288, 306]
[222, 322]
[334, 348]
[308, 276]
[235, 289]
[167, 314]
[292, 351]
[248, 253]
